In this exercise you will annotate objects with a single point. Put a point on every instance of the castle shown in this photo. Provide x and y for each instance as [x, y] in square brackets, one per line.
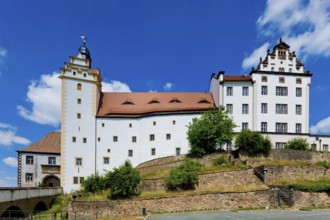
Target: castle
[99, 130]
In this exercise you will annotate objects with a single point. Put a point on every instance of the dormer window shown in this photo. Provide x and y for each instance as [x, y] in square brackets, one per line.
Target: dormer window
[203, 101]
[154, 101]
[175, 100]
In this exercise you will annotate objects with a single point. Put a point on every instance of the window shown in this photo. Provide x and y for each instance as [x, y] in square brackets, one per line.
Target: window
[298, 81]
[130, 153]
[264, 90]
[154, 123]
[281, 69]
[245, 108]
[281, 80]
[290, 70]
[78, 101]
[130, 125]
[108, 150]
[264, 79]
[245, 91]
[133, 139]
[281, 91]
[263, 126]
[79, 86]
[115, 138]
[84, 140]
[245, 126]
[29, 159]
[298, 92]
[51, 160]
[28, 177]
[98, 139]
[152, 137]
[168, 136]
[85, 74]
[272, 69]
[298, 128]
[74, 139]
[282, 109]
[177, 151]
[78, 115]
[279, 145]
[325, 147]
[173, 122]
[313, 147]
[102, 124]
[75, 180]
[74, 73]
[281, 127]
[153, 151]
[229, 108]
[264, 108]
[229, 91]
[106, 160]
[78, 161]
[82, 179]
[298, 109]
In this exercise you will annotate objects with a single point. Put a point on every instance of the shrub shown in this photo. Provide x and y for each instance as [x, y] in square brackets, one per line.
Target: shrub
[312, 186]
[221, 161]
[183, 177]
[297, 144]
[207, 133]
[94, 183]
[325, 164]
[123, 181]
[253, 142]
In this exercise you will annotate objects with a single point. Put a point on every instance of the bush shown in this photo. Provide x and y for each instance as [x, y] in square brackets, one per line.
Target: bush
[221, 161]
[325, 164]
[183, 177]
[207, 133]
[94, 184]
[253, 142]
[297, 144]
[123, 181]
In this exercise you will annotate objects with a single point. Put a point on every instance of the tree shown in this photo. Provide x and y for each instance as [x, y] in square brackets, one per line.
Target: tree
[94, 183]
[253, 142]
[297, 144]
[207, 133]
[184, 176]
[123, 181]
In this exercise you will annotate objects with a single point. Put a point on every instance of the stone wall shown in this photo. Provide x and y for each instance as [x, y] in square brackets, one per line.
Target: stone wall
[212, 180]
[279, 173]
[214, 201]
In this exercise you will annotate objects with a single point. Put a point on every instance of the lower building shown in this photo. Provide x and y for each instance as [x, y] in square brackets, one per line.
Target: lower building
[40, 163]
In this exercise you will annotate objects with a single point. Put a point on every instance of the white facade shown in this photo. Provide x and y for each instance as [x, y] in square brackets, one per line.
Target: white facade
[277, 102]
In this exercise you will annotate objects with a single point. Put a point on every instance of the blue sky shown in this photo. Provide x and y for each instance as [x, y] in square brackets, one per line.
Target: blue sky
[146, 45]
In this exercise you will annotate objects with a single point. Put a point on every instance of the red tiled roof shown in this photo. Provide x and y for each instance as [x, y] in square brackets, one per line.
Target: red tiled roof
[138, 104]
[237, 78]
[51, 143]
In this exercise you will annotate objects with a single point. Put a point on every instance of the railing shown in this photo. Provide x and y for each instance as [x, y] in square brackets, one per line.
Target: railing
[13, 194]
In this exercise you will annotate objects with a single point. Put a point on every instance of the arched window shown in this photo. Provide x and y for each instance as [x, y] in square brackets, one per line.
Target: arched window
[79, 87]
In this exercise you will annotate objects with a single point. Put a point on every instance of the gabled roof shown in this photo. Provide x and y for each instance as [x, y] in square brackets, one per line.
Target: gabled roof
[153, 103]
[233, 78]
[51, 143]
[282, 45]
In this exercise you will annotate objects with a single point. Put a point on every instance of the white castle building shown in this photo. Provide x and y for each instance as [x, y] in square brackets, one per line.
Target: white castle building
[101, 130]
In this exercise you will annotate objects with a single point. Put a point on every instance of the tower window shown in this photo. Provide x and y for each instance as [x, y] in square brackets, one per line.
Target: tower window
[130, 125]
[168, 136]
[74, 139]
[29, 159]
[78, 101]
[173, 122]
[79, 86]
[298, 92]
[264, 79]
[281, 80]
[98, 139]
[79, 161]
[264, 90]
[74, 73]
[133, 139]
[78, 115]
[152, 137]
[264, 108]
[102, 125]
[29, 177]
[298, 81]
[154, 123]
[75, 180]
[52, 160]
[130, 153]
[85, 75]
[153, 151]
[106, 160]
[84, 140]
[115, 138]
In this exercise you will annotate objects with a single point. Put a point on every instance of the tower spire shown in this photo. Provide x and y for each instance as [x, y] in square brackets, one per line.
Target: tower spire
[84, 38]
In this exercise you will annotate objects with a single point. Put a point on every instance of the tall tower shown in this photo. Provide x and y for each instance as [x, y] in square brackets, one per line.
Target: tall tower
[81, 90]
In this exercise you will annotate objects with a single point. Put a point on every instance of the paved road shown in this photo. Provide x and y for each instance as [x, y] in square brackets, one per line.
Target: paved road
[247, 215]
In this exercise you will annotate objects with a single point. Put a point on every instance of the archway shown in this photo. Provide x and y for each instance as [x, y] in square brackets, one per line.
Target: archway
[13, 212]
[51, 181]
[39, 207]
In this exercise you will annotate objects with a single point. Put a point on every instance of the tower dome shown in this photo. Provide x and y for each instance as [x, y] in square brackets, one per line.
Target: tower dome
[83, 50]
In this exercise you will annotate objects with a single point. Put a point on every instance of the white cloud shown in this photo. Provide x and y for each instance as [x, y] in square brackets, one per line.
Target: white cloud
[168, 86]
[45, 96]
[3, 52]
[115, 86]
[8, 136]
[10, 161]
[322, 126]
[253, 59]
[304, 25]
